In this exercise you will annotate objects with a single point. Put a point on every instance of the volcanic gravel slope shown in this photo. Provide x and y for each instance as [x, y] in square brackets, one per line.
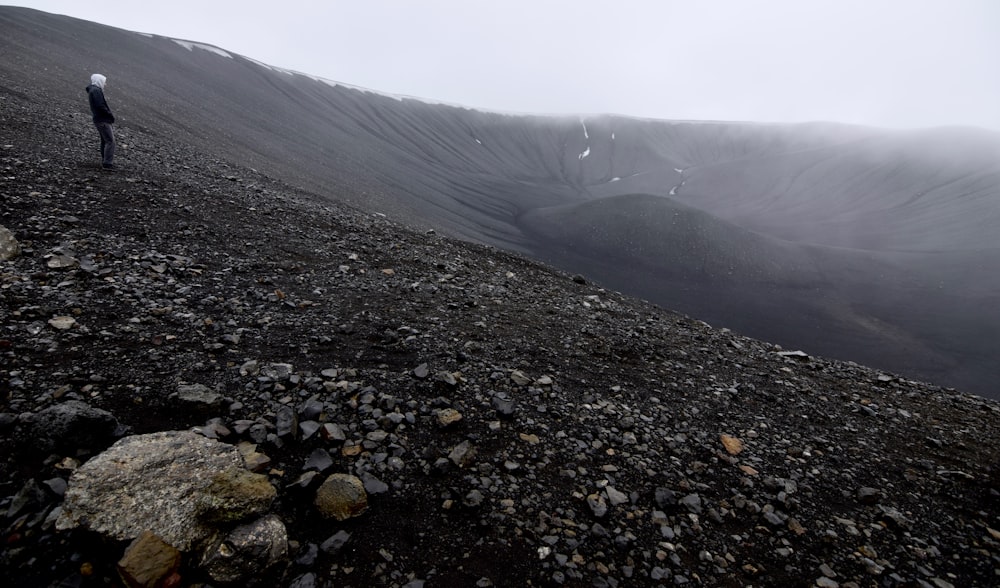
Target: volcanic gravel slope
[864, 244]
[596, 421]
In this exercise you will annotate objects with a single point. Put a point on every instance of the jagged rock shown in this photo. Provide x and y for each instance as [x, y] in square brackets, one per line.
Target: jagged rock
[462, 454]
[341, 496]
[9, 247]
[286, 422]
[156, 482]
[318, 460]
[71, 424]
[246, 551]
[149, 562]
[519, 378]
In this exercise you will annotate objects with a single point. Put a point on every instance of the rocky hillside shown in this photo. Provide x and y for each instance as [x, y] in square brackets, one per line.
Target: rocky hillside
[210, 378]
[860, 244]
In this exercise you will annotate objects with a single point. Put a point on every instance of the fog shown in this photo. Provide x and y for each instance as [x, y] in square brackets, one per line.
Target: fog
[898, 64]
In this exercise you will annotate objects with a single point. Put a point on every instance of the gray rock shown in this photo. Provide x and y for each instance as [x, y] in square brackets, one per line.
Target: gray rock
[286, 422]
[665, 498]
[462, 454]
[373, 485]
[519, 378]
[198, 396]
[9, 247]
[154, 482]
[246, 551]
[503, 404]
[692, 502]
[868, 496]
[311, 409]
[615, 497]
[597, 505]
[333, 432]
[72, 424]
[307, 580]
[318, 460]
[307, 555]
[335, 542]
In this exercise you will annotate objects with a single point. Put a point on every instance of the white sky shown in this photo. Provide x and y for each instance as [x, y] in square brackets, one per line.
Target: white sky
[893, 63]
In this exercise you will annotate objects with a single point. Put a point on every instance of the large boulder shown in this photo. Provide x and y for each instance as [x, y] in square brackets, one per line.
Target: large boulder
[175, 484]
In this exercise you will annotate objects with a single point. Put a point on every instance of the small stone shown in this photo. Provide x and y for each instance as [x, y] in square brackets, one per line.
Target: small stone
[530, 438]
[62, 323]
[421, 371]
[519, 378]
[62, 262]
[868, 496]
[462, 454]
[692, 502]
[615, 497]
[448, 416]
[341, 496]
[732, 444]
[198, 395]
[286, 422]
[318, 460]
[9, 247]
[373, 485]
[597, 505]
[148, 562]
[335, 542]
[503, 404]
[473, 499]
[333, 432]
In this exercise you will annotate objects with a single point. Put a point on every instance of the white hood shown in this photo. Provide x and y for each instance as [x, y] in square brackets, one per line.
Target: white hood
[98, 80]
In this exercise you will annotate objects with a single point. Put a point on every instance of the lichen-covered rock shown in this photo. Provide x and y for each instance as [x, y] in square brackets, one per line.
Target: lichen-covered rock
[247, 550]
[341, 496]
[234, 494]
[159, 482]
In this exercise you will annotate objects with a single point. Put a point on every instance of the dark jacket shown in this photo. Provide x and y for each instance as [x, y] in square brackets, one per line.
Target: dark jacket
[99, 106]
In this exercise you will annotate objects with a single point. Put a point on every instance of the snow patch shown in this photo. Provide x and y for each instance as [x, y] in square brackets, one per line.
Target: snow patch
[678, 170]
[190, 46]
[478, 141]
[612, 136]
[585, 134]
[585, 153]
[147, 35]
[614, 179]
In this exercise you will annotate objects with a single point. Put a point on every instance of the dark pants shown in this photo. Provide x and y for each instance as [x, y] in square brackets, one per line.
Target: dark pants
[107, 143]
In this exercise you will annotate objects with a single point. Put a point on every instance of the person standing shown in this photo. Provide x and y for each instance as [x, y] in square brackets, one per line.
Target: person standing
[103, 119]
